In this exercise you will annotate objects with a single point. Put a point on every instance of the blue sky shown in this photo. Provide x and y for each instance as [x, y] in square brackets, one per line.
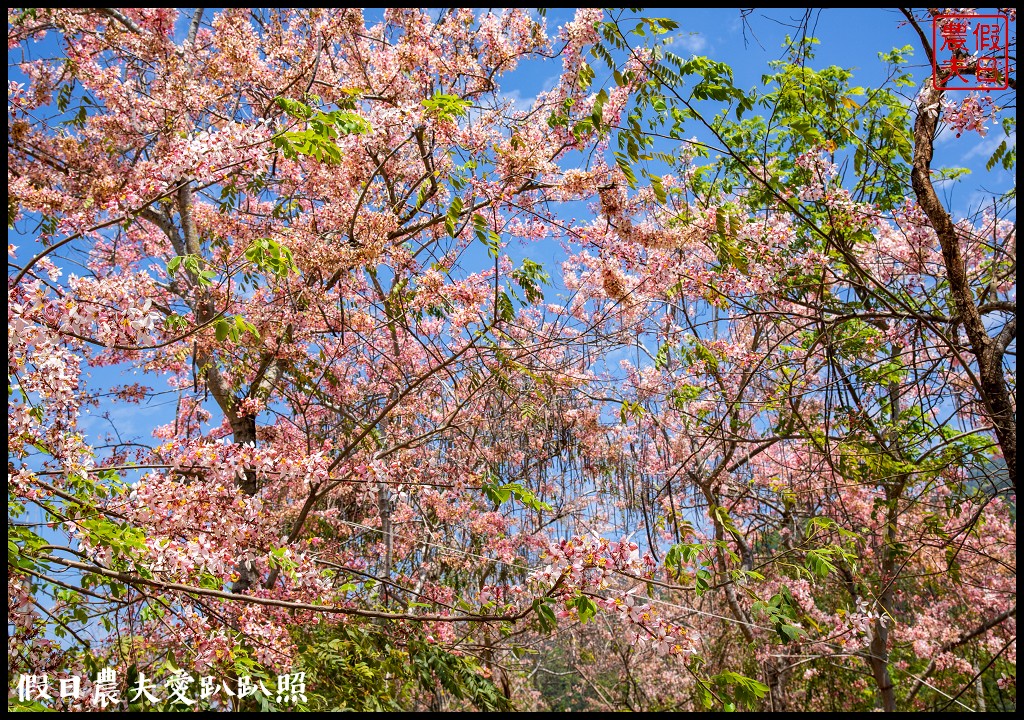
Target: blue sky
[851, 38]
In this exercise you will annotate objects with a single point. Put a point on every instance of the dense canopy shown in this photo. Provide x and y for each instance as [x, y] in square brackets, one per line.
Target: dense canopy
[337, 367]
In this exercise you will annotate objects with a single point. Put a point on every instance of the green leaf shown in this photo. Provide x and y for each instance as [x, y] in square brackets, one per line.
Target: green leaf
[996, 156]
[349, 123]
[545, 615]
[747, 691]
[706, 356]
[704, 695]
[446, 107]
[487, 236]
[585, 607]
[629, 409]
[222, 328]
[453, 215]
[789, 633]
[596, 115]
[529, 276]
[661, 360]
[701, 581]
[658, 188]
[504, 310]
[242, 326]
[623, 162]
[585, 75]
[294, 108]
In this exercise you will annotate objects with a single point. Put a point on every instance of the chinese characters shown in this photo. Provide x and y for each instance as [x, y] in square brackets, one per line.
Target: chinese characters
[971, 52]
[179, 688]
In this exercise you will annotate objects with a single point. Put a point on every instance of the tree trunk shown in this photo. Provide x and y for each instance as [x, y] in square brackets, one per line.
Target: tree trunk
[988, 351]
[879, 646]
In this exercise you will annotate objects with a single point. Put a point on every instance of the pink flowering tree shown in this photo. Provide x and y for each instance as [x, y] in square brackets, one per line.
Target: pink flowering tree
[804, 380]
[749, 442]
[803, 430]
[297, 222]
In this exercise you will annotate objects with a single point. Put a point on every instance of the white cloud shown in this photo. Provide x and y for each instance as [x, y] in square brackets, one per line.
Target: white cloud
[690, 42]
[987, 145]
[523, 104]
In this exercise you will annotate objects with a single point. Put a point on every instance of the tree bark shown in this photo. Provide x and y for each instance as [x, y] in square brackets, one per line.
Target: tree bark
[878, 659]
[987, 350]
